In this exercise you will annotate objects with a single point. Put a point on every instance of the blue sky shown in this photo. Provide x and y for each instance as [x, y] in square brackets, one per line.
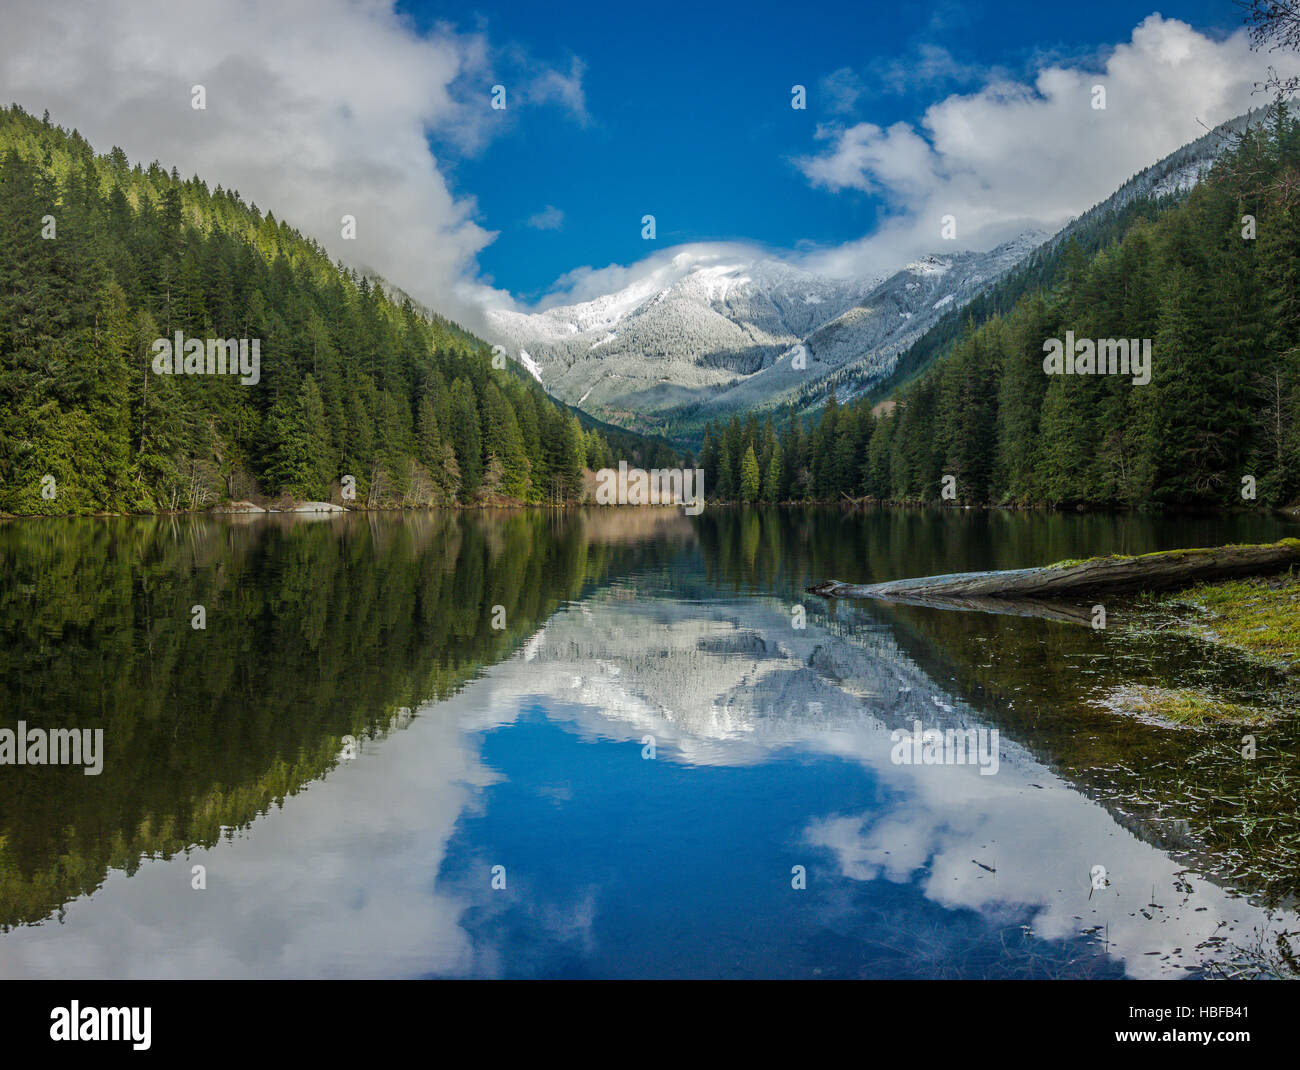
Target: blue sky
[689, 117]
[379, 109]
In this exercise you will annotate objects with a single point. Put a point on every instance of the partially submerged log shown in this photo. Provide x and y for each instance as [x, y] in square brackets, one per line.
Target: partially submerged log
[1066, 612]
[1162, 571]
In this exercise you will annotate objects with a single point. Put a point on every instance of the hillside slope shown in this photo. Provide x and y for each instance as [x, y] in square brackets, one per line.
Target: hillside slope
[715, 331]
[1204, 300]
[1143, 197]
[105, 266]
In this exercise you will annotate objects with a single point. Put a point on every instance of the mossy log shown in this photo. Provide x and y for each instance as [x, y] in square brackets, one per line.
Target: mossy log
[1161, 571]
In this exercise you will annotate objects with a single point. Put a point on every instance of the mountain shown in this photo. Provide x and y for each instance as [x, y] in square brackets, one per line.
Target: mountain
[1203, 415]
[1144, 197]
[714, 331]
[862, 345]
[683, 335]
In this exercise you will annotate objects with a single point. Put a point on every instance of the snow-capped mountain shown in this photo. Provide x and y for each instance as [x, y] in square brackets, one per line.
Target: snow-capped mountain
[681, 335]
[866, 338]
[719, 329]
[716, 329]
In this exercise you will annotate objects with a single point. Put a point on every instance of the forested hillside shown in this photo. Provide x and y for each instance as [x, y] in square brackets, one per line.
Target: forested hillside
[99, 259]
[1145, 196]
[1216, 293]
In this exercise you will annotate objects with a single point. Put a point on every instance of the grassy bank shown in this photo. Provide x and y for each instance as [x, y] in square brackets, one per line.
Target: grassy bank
[1259, 616]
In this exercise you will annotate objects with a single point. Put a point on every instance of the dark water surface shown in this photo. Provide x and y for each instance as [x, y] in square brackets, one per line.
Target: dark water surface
[671, 768]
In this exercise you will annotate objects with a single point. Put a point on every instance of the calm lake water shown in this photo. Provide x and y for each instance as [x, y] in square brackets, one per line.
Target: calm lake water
[607, 743]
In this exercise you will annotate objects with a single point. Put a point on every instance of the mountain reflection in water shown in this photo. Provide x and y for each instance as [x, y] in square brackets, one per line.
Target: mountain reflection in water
[648, 751]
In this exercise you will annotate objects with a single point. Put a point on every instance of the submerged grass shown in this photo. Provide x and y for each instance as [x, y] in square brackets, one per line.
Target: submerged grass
[1262, 956]
[1228, 804]
[1184, 707]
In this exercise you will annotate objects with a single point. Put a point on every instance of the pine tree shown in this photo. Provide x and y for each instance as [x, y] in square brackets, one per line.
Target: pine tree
[466, 439]
[773, 476]
[749, 481]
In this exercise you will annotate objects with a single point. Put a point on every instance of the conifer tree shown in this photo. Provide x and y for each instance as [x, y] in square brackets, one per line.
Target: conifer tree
[749, 480]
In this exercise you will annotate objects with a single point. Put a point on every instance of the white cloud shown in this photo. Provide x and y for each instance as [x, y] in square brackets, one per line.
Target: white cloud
[841, 90]
[926, 65]
[549, 218]
[321, 109]
[1012, 157]
[1017, 156]
[550, 85]
[656, 272]
[931, 65]
[314, 110]
[867, 158]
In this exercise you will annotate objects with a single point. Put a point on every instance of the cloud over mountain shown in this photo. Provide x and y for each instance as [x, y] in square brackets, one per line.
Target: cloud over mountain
[314, 110]
[1020, 155]
[317, 110]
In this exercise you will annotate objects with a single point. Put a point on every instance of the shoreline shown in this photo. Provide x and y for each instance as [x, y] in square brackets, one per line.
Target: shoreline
[1290, 512]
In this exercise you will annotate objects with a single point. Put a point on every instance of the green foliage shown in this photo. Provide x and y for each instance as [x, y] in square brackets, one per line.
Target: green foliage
[1223, 316]
[354, 378]
[749, 476]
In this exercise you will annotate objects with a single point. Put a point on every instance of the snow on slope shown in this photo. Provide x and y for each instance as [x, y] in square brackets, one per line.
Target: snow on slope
[678, 335]
[716, 329]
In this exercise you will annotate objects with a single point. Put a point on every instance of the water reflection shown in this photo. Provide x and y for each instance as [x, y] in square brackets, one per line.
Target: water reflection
[525, 750]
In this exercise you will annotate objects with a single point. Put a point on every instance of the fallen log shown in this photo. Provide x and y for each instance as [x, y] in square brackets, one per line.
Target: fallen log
[1163, 571]
[1066, 612]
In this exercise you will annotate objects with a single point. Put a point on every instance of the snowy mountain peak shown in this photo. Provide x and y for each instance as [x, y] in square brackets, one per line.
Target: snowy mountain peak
[710, 329]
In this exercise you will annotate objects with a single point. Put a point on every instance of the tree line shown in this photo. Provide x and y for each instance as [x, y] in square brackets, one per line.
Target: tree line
[1212, 280]
[99, 258]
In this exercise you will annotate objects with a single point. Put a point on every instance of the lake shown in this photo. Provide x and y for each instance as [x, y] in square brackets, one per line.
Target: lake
[618, 743]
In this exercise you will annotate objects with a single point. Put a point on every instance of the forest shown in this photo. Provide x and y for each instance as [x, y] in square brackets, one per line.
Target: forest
[1211, 280]
[99, 259]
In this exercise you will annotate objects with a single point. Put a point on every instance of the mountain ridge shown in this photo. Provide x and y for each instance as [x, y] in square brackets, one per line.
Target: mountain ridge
[358, 397]
[672, 350]
[716, 330]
